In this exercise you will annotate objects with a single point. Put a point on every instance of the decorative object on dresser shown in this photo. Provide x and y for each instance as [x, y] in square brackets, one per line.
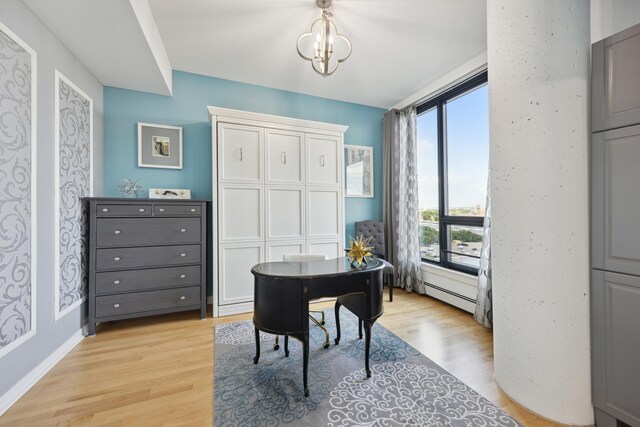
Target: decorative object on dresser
[359, 171]
[159, 146]
[130, 188]
[280, 191]
[146, 257]
[169, 193]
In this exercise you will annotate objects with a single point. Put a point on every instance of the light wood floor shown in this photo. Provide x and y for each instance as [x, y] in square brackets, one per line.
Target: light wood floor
[159, 371]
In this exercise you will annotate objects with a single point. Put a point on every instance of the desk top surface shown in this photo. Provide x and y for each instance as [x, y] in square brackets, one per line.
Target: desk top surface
[314, 269]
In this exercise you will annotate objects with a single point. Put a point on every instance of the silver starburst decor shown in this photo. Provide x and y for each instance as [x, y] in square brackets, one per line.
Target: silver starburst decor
[130, 188]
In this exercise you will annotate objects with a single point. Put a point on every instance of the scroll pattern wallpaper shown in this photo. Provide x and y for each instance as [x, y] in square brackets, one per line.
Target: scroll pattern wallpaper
[15, 191]
[74, 173]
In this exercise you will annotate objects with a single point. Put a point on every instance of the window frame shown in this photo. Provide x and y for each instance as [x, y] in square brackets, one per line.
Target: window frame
[446, 221]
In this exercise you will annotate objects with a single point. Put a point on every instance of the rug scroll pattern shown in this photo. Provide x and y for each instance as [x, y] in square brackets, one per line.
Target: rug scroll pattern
[405, 389]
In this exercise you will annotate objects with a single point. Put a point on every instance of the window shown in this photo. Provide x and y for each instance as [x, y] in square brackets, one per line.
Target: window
[453, 164]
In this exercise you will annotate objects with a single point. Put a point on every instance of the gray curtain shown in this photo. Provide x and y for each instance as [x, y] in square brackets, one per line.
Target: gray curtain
[400, 198]
[484, 302]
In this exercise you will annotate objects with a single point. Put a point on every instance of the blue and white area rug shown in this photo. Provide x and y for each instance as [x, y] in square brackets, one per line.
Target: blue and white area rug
[405, 389]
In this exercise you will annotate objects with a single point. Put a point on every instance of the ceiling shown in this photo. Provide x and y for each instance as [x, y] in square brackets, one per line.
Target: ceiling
[399, 46]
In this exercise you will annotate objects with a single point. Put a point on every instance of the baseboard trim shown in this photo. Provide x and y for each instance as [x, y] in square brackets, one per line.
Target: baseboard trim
[451, 298]
[24, 385]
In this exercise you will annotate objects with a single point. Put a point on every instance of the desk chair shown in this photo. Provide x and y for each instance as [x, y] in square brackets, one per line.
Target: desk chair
[320, 323]
[375, 230]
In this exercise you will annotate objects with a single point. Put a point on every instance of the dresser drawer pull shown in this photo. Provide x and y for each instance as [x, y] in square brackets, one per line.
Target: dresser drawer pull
[116, 305]
[105, 210]
[193, 210]
[183, 230]
[182, 276]
[117, 258]
[183, 255]
[161, 209]
[141, 210]
[117, 232]
[116, 282]
[182, 298]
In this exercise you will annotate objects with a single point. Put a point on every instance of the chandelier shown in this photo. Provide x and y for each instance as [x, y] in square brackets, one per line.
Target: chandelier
[323, 46]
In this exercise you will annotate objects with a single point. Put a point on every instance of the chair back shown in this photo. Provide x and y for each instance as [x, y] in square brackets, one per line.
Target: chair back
[304, 257]
[375, 230]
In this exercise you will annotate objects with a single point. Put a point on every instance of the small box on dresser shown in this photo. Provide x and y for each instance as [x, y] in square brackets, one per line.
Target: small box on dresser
[146, 257]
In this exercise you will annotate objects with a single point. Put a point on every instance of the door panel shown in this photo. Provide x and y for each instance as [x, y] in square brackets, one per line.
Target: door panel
[276, 251]
[616, 199]
[323, 160]
[236, 280]
[285, 213]
[240, 153]
[284, 157]
[616, 325]
[324, 213]
[241, 211]
[616, 81]
[332, 249]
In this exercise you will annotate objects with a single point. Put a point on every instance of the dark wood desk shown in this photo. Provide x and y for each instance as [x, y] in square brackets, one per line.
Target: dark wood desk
[283, 290]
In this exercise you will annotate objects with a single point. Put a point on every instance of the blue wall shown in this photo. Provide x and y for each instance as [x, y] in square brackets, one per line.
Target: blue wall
[123, 109]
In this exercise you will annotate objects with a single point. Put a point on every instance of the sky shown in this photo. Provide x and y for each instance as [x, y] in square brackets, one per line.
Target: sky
[468, 151]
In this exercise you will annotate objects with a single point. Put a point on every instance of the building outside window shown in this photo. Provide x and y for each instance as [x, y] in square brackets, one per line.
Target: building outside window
[453, 165]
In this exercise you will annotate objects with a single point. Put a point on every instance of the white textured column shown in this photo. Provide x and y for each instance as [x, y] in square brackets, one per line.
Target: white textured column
[538, 55]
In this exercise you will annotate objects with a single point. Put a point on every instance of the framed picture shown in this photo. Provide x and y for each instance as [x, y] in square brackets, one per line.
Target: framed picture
[169, 193]
[359, 171]
[159, 146]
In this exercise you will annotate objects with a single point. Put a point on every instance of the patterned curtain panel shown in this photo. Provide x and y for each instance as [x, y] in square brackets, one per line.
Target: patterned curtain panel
[74, 174]
[16, 143]
[483, 313]
[400, 198]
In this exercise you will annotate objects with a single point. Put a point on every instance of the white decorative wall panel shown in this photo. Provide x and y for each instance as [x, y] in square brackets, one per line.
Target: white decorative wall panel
[73, 136]
[17, 190]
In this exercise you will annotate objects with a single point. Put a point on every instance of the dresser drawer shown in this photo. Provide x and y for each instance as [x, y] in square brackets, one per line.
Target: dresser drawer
[141, 280]
[160, 210]
[123, 210]
[138, 302]
[159, 256]
[147, 231]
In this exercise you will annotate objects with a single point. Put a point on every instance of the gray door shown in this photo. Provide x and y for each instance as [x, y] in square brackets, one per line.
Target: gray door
[615, 210]
[616, 81]
[615, 310]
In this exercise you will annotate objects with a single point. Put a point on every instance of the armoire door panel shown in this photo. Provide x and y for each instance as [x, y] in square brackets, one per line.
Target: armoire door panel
[616, 81]
[324, 213]
[285, 213]
[615, 187]
[277, 250]
[323, 160]
[332, 249]
[241, 213]
[236, 280]
[622, 347]
[285, 157]
[240, 153]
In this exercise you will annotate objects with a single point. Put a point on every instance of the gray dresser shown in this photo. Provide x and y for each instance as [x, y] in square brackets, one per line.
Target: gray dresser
[615, 229]
[146, 257]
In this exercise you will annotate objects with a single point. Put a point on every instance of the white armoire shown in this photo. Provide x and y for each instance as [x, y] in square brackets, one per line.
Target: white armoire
[277, 188]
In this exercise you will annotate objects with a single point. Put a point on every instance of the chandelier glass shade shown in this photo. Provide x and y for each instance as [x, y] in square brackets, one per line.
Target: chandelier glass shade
[323, 46]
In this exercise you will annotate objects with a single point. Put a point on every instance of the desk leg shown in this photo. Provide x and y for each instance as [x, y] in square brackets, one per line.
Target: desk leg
[255, 359]
[360, 328]
[286, 346]
[337, 312]
[367, 347]
[305, 361]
